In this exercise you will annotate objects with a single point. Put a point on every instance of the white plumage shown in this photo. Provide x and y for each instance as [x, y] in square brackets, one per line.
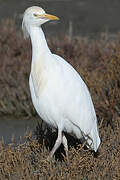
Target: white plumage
[60, 96]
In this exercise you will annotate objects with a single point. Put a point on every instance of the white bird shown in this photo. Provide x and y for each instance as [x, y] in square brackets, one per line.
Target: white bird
[59, 95]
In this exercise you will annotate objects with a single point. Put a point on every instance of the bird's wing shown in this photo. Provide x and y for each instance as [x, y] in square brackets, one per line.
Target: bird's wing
[78, 100]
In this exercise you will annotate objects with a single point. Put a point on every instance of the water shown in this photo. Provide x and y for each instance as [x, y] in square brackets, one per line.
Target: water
[15, 127]
[87, 16]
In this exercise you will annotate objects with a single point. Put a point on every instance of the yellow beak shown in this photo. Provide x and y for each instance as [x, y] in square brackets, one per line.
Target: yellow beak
[48, 16]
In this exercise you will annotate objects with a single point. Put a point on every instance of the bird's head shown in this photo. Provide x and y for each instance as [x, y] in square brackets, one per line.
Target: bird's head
[35, 16]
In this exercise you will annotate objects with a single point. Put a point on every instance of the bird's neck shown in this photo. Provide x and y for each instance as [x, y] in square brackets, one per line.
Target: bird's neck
[39, 44]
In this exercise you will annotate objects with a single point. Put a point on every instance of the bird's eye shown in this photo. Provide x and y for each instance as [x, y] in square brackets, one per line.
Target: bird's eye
[35, 15]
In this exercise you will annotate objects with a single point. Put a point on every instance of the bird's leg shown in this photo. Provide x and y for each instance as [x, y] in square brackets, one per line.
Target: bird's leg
[65, 144]
[57, 143]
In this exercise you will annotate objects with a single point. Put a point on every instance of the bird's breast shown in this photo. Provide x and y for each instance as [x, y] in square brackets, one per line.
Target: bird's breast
[39, 76]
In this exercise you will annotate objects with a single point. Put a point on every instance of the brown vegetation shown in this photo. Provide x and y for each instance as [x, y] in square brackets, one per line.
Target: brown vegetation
[98, 62]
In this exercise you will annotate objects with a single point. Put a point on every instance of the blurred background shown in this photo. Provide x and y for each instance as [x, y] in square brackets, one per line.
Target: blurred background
[85, 17]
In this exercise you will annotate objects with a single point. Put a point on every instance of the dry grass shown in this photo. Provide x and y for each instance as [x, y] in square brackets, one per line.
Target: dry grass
[29, 161]
[98, 62]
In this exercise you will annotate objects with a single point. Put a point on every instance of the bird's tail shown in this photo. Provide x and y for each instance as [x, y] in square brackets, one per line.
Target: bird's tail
[93, 139]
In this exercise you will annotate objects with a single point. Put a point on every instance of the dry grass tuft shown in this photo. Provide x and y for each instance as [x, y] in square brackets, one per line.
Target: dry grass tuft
[98, 62]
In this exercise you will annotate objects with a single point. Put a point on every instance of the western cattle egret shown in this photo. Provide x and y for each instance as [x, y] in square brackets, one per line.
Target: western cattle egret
[60, 96]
